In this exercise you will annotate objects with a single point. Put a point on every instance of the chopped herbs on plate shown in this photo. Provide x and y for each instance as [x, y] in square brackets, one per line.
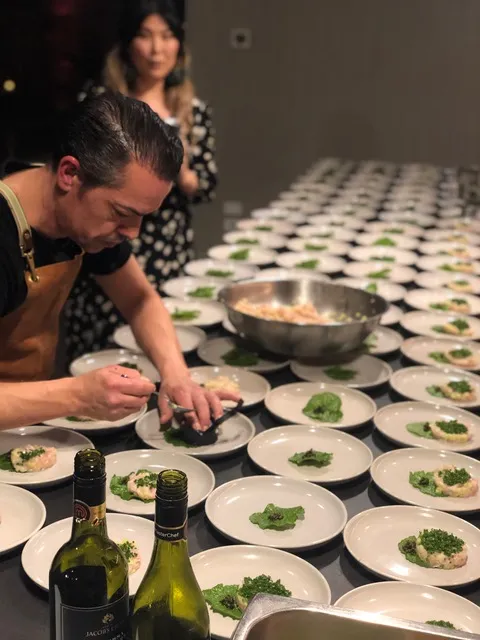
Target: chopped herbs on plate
[307, 264]
[278, 518]
[247, 241]
[219, 273]
[231, 600]
[241, 254]
[396, 230]
[128, 549]
[461, 325]
[385, 242]
[315, 247]
[372, 287]
[441, 623]
[239, 357]
[382, 259]
[185, 314]
[322, 235]
[324, 407]
[338, 372]
[383, 274]
[311, 458]
[130, 365]
[202, 292]
[78, 418]
[263, 227]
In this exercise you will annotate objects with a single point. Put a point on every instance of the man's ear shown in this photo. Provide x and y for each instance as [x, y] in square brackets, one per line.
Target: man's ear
[68, 173]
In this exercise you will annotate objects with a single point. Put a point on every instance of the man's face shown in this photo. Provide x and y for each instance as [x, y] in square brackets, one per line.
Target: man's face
[105, 216]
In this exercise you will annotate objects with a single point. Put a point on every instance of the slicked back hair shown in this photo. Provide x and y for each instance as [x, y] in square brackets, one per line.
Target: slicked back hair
[108, 131]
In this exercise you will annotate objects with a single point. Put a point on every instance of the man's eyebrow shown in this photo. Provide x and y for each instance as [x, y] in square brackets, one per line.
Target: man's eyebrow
[132, 210]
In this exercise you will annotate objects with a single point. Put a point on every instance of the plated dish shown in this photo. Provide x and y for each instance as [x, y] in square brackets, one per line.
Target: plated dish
[436, 324]
[304, 260]
[22, 515]
[243, 254]
[440, 352]
[387, 254]
[363, 372]
[223, 270]
[380, 271]
[459, 283]
[444, 301]
[122, 357]
[235, 353]
[265, 239]
[388, 290]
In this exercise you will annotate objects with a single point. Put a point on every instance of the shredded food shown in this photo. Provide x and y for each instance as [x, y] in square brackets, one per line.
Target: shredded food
[297, 313]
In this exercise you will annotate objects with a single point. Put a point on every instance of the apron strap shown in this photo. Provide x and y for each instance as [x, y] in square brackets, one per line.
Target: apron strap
[23, 228]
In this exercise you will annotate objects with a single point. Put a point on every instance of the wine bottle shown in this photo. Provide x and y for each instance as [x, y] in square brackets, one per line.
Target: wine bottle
[169, 604]
[88, 580]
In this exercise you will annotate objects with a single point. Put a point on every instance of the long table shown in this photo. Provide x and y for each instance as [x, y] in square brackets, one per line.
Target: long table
[24, 607]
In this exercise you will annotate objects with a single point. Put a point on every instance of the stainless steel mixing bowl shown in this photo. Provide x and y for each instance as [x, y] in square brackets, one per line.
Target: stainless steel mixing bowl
[305, 340]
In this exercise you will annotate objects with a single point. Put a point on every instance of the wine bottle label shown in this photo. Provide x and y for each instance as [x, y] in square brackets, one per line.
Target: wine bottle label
[82, 512]
[110, 622]
[171, 534]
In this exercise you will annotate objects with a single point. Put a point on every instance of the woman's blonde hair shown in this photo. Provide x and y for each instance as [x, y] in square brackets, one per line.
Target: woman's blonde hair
[179, 96]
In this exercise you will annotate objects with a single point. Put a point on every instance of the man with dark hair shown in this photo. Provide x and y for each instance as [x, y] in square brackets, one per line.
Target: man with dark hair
[114, 162]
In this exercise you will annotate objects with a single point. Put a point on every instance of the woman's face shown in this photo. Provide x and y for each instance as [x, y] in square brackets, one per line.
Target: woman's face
[154, 50]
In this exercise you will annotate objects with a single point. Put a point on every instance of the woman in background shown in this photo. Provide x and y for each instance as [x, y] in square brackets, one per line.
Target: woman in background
[150, 63]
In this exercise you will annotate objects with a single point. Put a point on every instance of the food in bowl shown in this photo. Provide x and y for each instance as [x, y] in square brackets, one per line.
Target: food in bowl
[298, 313]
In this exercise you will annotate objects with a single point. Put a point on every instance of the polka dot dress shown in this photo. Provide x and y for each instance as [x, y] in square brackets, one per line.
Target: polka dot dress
[163, 248]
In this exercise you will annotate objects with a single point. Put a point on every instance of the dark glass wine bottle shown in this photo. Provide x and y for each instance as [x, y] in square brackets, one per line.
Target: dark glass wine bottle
[169, 604]
[88, 579]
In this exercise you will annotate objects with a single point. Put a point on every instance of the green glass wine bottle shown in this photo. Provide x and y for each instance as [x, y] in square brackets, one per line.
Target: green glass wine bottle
[88, 580]
[169, 604]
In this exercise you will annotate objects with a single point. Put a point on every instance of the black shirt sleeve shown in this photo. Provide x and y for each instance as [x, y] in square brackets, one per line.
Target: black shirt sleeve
[108, 260]
[13, 288]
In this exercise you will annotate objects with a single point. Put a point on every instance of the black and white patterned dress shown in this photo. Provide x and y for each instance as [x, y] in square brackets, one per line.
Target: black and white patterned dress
[164, 246]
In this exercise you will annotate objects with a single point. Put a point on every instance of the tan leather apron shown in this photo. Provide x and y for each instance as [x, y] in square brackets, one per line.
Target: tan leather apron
[29, 335]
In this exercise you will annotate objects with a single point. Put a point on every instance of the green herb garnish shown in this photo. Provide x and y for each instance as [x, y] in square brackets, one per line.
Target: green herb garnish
[439, 541]
[185, 314]
[77, 419]
[324, 407]
[239, 357]
[396, 230]
[461, 325]
[241, 254]
[219, 273]
[202, 292]
[118, 485]
[450, 267]
[307, 264]
[338, 372]
[460, 353]
[262, 584]
[439, 356]
[379, 275]
[439, 306]
[315, 247]
[441, 623]
[323, 235]
[382, 259]
[311, 458]
[451, 427]
[385, 242]
[278, 518]
[263, 227]
[128, 549]
[130, 365]
[6, 462]
[454, 476]
[174, 438]
[247, 241]
[31, 453]
[425, 482]
[434, 390]
[462, 283]
[371, 288]
[460, 386]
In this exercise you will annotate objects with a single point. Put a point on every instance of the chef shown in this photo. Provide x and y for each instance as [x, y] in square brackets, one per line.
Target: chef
[113, 162]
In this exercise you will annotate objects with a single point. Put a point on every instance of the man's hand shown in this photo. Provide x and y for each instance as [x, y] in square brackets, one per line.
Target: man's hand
[186, 393]
[111, 393]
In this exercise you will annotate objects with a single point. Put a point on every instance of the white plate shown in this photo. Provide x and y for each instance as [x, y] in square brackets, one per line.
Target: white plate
[275, 213]
[253, 387]
[211, 313]
[233, 434]
[370, 372]
[438, 279]
[357, 211]
[256, 255]
[233, 563]
[419, 348]
[386, 228]
[326, 263]
[408, 217]
[423, 299]
[336, 220]
[387, 341]
[434, 263]
[412, 383]
[437, 248]
[401, 241]
[271, 450]
[287, 402]
[275, 226]
[390, 291]
[318, 247]
[421, 323]
[372, 538]
[22, 515]
[397, 273]
[99, 427]
[444, 235]
[189, 337]
[465, 224]
[265, 239]
[228, 508]
[201, 480]
[182, 288]
[212, 351]
[320, 233]
[391, 471]
[38, 554]
[67, 442]
[400, 256]
[392, 316]
[277, 273]
[199, 269]
[418, 603]
[99, 359]
[392, 419]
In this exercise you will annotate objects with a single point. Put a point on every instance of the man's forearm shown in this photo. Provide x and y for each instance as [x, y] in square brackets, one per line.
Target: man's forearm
[155, 333]
[25, 403]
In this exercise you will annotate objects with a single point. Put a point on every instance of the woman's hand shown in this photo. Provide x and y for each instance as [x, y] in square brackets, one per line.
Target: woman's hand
[187, 178]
